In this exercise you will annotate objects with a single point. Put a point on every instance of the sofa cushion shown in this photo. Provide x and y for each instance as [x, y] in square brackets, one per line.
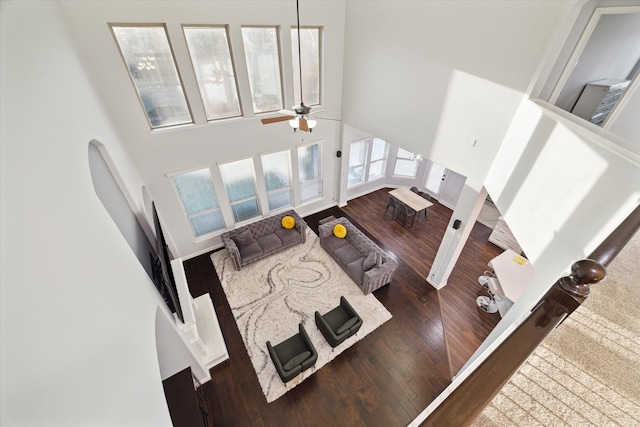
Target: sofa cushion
[355, 268]
[349, 323]
[347, 254]
[379, 260]
[339, 231]
[332, 243]
[288, 222]
[288, 237]
[244, 239]
[269, 243]
[296, 360]
[369, 261]
[249, 252]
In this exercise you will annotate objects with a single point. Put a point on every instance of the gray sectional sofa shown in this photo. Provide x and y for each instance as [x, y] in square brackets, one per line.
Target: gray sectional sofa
[358, 256]
[260, 239]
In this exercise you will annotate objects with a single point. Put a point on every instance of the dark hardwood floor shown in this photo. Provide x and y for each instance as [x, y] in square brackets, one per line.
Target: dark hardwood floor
[388, 377]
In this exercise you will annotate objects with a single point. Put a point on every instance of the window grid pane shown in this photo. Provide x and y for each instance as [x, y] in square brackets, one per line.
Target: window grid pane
[207, 222]
[263, 63]
[277, 178]
[199, 201]
[239, 181]
[245, 210]
[405, 167]
[213, 66]
[310, 175]
[379, 149]
[196, 191]
[149, 59]
[310, 55]
[357, 160]
[376, 169]
[279, 199]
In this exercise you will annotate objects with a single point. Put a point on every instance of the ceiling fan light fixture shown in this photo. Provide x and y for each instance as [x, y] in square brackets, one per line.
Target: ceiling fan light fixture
[311, 123]
[294, 123]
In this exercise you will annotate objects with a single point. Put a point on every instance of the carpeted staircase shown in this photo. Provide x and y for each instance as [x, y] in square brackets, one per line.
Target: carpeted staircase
[587, 372]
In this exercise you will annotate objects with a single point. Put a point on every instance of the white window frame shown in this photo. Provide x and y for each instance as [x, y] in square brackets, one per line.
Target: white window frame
[410, 157]
[256, 195]
[382, 160]
[364, 164]
[368, 161]
[318, 179]
[188, 216]
[280, 68]
[201, 89]
[112, 27]
[289, 187]
[296, 74]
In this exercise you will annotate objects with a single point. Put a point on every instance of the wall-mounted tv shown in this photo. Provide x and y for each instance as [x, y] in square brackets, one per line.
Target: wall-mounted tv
[163, 273]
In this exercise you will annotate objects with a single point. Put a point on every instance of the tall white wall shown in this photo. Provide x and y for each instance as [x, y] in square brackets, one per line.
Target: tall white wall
[432, 76]
[77, 316]
[202, 145]
[562, 189]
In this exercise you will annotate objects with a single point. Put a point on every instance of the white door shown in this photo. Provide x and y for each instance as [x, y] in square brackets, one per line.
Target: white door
[451, 189]
[435, 179]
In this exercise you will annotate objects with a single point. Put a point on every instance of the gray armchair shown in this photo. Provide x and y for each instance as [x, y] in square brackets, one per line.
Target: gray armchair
[293, 355]
[339, 324]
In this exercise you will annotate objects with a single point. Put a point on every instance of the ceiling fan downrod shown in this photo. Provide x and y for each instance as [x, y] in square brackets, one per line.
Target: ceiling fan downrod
[300, 60]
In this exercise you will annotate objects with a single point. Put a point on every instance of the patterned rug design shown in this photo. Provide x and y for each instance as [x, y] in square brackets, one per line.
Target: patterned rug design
[271, 297]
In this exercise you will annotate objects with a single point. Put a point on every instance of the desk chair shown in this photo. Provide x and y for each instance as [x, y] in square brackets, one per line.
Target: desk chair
[406, 211]
[393, 203]
[426, 197]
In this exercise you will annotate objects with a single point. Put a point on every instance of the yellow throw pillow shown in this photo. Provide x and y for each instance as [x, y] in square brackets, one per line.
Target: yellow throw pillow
[288, 222]
[339, 231]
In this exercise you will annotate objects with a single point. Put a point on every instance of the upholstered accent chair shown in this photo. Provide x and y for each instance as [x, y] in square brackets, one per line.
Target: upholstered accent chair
[339, 324]
[293, 355]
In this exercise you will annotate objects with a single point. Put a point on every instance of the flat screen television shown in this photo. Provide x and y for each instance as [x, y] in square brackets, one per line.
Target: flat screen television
[165, 281]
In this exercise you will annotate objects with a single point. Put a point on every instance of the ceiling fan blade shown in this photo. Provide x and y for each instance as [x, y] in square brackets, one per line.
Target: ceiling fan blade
[304, 126]
[276, 119]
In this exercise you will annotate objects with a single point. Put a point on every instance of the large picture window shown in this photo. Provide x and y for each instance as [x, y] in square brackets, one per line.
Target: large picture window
[263, 63]
[277, 179]
[367, 160]
[240, 182]
[357, 162]
[213, 66]
[378, 158]
[310, 58]
[199, 201]
[406, 164]
[149, 60]
[310, 171]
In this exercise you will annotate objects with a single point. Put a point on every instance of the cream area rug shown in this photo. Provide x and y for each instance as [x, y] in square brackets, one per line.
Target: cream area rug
[587, 371]
[271, 297]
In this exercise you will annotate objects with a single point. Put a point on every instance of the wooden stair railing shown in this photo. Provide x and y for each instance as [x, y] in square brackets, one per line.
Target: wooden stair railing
[468, 400]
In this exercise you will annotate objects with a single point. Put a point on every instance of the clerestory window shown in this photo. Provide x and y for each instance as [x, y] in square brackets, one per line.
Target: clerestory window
[310, 45]
[149, 59]
[213, 66]
[263, 64]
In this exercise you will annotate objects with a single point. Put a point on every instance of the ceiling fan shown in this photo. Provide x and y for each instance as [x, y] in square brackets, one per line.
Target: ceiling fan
[298, 117]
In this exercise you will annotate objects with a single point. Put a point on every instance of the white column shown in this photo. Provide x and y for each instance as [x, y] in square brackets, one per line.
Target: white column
[453, 241]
